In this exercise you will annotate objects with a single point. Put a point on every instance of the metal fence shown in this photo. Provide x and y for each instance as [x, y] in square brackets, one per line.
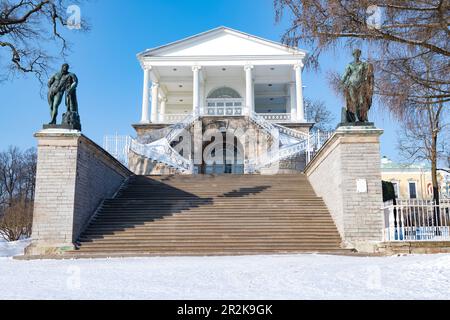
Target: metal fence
[118, 146]
[316, 141]
[417, 220]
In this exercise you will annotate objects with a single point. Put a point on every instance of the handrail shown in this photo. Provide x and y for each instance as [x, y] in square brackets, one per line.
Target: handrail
[285, 143]
[263, 123]
[291, 132]
[176, 129]
[161, 151]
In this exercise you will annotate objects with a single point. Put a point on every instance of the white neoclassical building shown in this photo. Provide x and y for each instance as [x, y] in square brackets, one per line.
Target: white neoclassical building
[222, 72]
[226, 80]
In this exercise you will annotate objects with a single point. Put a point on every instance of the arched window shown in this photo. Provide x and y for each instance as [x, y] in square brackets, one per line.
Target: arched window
[224, 93]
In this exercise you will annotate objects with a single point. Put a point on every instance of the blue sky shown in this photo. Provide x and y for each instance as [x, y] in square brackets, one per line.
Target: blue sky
[110, 90]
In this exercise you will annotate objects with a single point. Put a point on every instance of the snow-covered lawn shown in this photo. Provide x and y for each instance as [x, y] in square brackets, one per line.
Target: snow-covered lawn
[11, 249]
[248, 277]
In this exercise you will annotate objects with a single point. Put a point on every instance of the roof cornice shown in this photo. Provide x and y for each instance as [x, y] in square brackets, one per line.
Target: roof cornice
[154, 51]
[221, 58]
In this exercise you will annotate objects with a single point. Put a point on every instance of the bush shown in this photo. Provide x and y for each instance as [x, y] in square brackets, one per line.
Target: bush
[16, 221]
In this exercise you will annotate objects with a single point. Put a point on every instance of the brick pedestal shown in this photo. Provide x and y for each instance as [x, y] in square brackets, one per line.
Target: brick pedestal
[74, 175]
[346, 174]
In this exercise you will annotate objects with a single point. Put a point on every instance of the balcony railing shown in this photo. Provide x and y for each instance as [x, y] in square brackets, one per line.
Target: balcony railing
[172, 118]
[277, 117]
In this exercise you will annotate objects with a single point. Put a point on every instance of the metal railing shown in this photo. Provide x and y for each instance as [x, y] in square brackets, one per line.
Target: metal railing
[315, 142]
[417, 220]
[285, 143]
[161, 151]
[268, 127]
[118, 147]
[177, 129]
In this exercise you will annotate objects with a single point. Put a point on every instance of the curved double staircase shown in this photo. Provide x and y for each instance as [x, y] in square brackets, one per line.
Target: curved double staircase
[286, 143]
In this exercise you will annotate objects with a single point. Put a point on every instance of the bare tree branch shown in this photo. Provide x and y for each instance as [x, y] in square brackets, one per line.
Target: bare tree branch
[25, 26]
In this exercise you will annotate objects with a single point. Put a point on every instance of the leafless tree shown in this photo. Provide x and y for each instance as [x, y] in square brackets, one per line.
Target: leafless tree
[17, 185]
[11, 173]
[408, 42]
[402, 36]
[420, 138]
[29, 29]
[317, 112]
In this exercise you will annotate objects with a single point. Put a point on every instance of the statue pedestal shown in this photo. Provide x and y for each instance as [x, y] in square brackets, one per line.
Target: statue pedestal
[70, 121]
[350, 125]
[74, 175]
[346, 173]
[61, 126]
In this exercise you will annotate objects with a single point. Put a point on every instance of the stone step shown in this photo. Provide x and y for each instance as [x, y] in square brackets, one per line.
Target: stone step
[209, 215]
[96, 254]
[162, 246]
[236, 236]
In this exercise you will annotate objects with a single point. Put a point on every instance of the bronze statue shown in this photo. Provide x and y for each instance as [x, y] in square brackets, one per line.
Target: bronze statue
[358, 83]
[64, 82]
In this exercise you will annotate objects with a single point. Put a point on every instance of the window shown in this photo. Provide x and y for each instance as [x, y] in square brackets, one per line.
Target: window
[396, 189]
[412, 190]
[224, 93]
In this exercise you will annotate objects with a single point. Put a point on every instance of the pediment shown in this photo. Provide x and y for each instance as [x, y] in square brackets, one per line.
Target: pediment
[222, 42]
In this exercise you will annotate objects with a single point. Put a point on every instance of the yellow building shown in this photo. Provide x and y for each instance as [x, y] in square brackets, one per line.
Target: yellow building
[411, 181]
[444, 178]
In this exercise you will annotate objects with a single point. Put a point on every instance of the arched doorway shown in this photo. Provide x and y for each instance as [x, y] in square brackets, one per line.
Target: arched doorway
[223, 156]
[224, 101]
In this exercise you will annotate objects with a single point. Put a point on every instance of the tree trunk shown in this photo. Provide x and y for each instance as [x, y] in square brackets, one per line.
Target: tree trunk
[434, 168]
[437, 211]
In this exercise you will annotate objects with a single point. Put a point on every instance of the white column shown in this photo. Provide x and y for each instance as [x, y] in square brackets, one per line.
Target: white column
[202, 97]
[155, 95]
[293, 101]
[299, 92]
[196, 90]
[249, 100]
[145, 97]
[162, 113]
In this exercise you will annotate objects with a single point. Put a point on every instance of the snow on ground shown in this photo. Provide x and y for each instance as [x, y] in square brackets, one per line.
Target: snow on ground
[11, 249]
[247, 277]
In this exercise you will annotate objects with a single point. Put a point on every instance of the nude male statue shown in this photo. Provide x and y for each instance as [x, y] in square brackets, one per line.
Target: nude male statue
[60, 83]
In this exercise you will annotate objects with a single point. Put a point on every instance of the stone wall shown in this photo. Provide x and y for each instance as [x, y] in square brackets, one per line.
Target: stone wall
[73, 176]
[346, 174]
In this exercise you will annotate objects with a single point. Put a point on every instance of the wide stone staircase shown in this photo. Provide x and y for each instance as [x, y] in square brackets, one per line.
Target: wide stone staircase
[211, 215]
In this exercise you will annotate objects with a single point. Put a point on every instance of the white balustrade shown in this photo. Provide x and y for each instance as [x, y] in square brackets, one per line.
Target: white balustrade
[173, 118]
[177, 129]
[417, 220]
[118, 147]
[161, 151]
[277, 117]
[285, 143]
